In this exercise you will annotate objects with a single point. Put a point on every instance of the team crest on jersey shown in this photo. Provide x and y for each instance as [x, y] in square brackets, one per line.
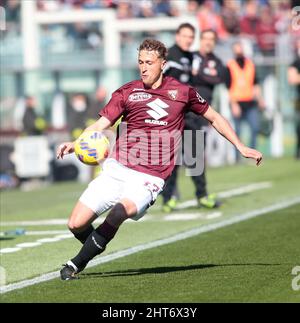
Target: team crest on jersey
[173, 94]
[139, 96]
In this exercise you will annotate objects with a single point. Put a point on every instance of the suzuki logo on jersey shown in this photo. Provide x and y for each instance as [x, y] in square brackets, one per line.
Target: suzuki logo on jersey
[157, 112]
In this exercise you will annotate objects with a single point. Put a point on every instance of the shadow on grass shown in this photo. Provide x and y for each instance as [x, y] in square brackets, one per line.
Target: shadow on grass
[6, 238]
[163, 270]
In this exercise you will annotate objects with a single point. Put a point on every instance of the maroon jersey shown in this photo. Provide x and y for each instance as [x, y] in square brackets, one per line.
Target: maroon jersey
[154, 123]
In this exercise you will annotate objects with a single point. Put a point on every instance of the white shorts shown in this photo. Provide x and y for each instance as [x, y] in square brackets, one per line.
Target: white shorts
[117, 182]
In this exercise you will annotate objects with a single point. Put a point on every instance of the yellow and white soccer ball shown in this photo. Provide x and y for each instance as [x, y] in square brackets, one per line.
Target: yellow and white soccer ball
[92, 147]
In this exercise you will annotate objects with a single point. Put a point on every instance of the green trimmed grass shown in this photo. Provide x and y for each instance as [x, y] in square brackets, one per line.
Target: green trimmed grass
[56, 202]
[246, 262]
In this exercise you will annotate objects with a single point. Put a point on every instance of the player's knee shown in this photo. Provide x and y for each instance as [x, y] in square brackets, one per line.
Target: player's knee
[75, 225]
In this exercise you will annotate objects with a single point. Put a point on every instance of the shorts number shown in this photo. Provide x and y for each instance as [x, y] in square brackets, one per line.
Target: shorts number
[152, 187]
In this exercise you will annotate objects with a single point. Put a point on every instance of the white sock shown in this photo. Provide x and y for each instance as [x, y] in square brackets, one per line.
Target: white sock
[70, 263]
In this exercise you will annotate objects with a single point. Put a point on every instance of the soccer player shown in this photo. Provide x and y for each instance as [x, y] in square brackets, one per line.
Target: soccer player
[153, 104]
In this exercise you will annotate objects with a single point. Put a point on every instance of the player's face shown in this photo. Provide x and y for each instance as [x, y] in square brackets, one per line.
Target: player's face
[151, 67]
[185, 38]
[207, 42]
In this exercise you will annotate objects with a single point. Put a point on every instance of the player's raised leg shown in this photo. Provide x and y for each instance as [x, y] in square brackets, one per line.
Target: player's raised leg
[96, 242]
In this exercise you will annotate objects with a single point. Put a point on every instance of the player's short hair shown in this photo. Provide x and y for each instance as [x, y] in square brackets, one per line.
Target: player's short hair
[155, 45]
[204, 31]
[185, 25]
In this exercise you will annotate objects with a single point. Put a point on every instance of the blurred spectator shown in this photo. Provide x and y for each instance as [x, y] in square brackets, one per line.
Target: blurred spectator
[192, 7]
[209, 19]
[124, 10]
[230, 16]
[283, 15]
[206, 74]
[8, 181]
[179, 66]
[79, 31]
[12, 16]
[12, 10]
[97, 103]
[210, 70]
[33, 125]
[209, 73]
[77, 114]
[250, 19]
[244, 92]
[164, 8]
[45, 5]
[8, 178]
[294, 79]
[86, 35]
[146, 9]
[92, 4]
[266, 32]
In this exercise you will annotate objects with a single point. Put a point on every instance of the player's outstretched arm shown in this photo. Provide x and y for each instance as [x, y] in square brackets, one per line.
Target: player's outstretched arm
[68, 147]
[225, 129]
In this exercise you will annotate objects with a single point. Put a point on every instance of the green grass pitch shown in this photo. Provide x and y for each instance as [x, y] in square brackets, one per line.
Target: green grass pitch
[250, 261]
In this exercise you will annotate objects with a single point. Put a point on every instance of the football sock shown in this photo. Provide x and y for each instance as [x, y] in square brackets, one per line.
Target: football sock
[94, 244]
[106, 230]
[83, 235]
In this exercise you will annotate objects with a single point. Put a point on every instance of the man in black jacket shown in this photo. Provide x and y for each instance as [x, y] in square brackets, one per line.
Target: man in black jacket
[180, 59]
[189, 68]
[179, 66]
[208, 71]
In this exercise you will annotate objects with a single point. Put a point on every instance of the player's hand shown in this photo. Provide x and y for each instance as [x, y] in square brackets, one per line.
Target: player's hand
[251, 153]
[64, 149]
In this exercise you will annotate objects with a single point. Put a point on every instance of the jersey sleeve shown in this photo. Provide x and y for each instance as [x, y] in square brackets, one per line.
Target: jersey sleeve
[114, 108]
[196, 103]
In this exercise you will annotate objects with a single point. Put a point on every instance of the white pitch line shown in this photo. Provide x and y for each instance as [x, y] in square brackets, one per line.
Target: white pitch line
[36, 222]
[230, 193]
[191, 216]
[225, 194]
[36, 243]
[245, 189]
[181, 236]
[46, 232]
[26, 245]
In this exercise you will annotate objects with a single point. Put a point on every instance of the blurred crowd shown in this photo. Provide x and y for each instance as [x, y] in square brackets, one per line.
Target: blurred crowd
[259, 20]
[125, 9]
